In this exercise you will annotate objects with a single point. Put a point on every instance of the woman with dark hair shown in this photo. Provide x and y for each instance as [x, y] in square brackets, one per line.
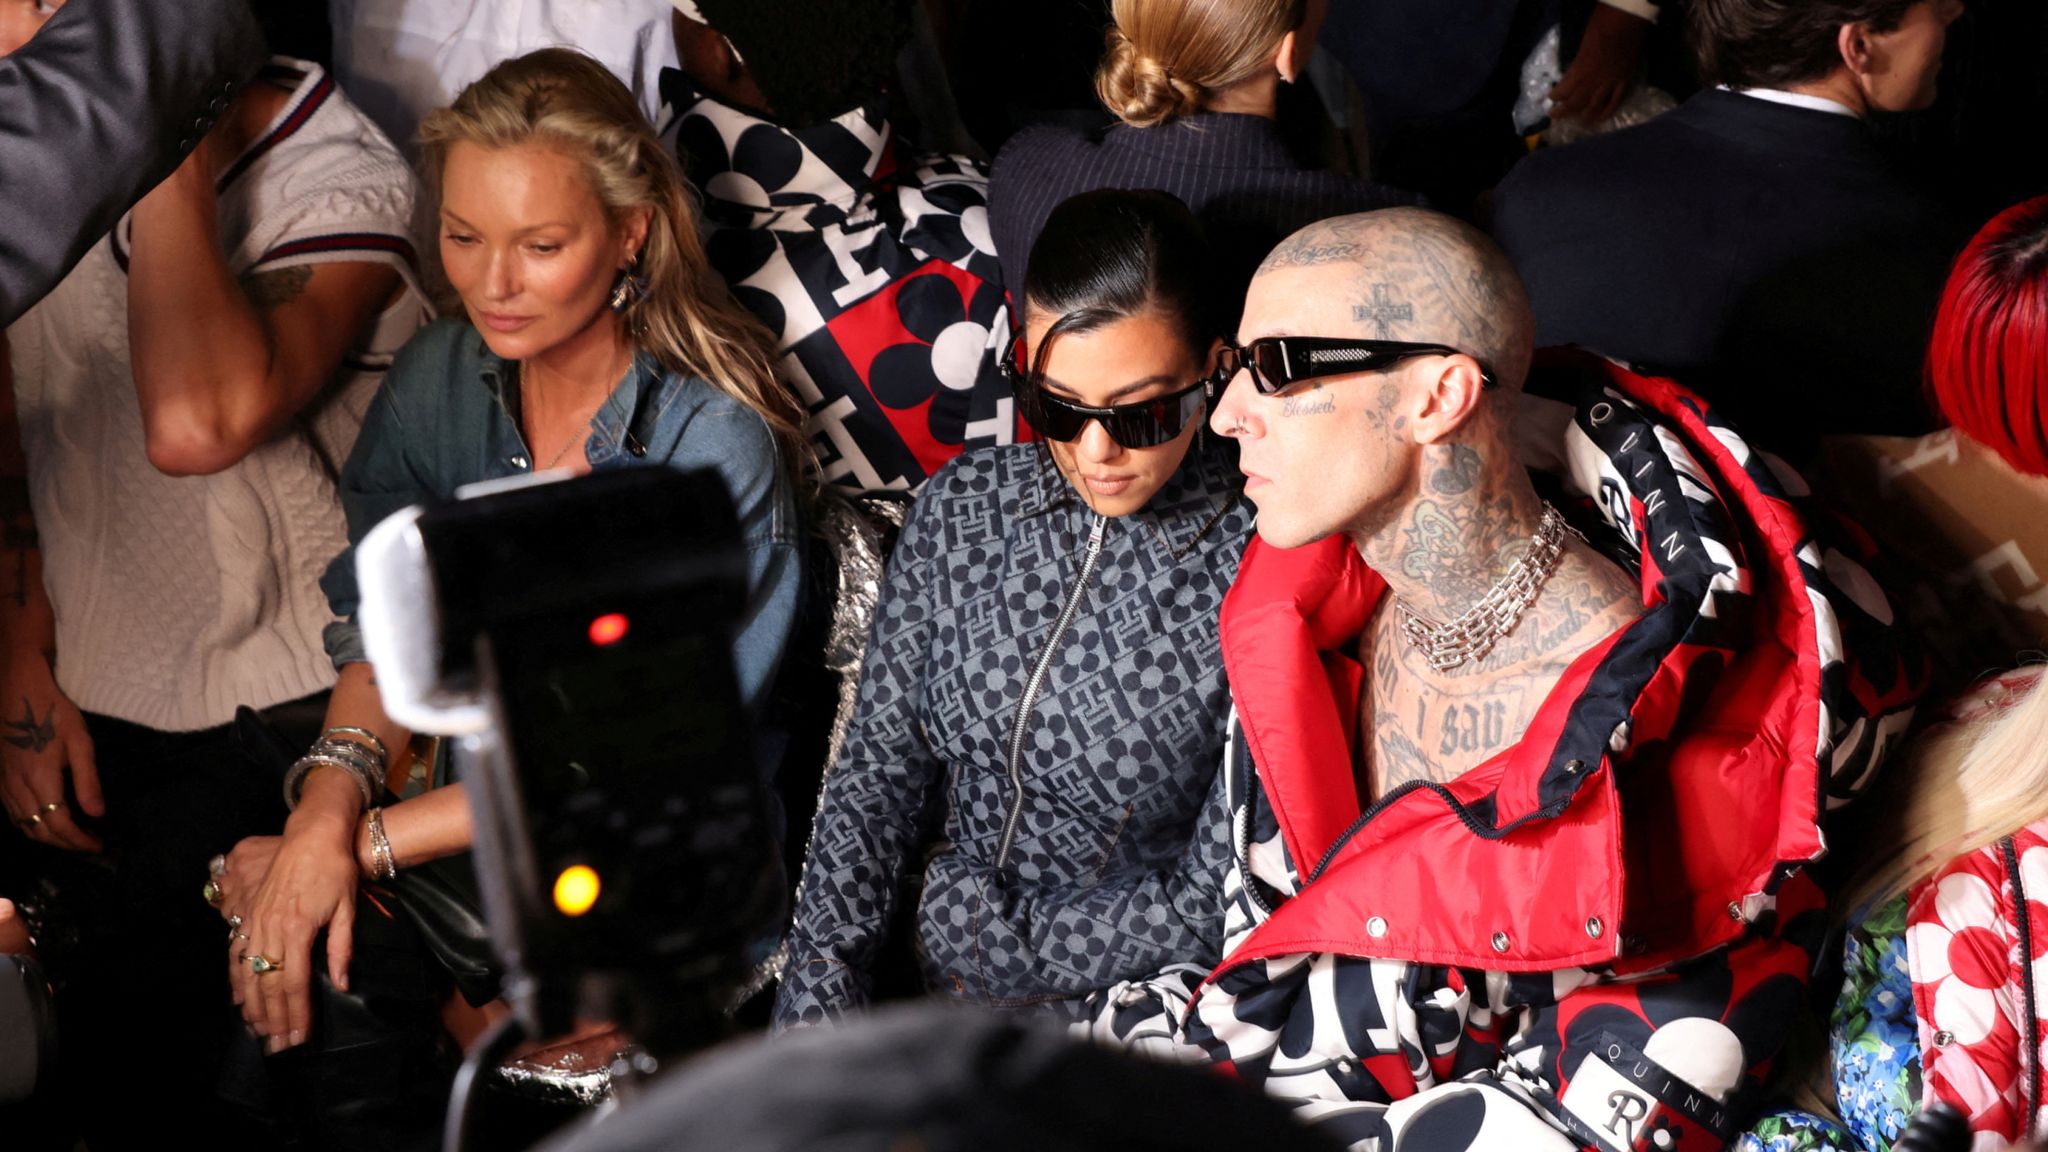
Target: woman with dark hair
[1045, 661]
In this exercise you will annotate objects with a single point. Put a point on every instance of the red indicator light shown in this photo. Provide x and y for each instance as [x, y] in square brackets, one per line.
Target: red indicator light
[609, 628]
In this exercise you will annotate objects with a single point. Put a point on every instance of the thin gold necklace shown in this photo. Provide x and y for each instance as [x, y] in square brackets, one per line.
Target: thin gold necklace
[582, 432]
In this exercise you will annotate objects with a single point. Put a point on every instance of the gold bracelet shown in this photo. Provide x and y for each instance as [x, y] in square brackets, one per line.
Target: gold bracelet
[383, 865]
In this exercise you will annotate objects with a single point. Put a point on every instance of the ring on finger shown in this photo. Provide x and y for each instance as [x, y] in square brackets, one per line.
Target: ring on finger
[52, 806]
[234, 922]
[260, 964]
[212, 893]
[236, 934]
[218, 866]
[30, 820]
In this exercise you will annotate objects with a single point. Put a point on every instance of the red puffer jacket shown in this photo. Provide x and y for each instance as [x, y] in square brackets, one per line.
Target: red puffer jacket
[1612, 899]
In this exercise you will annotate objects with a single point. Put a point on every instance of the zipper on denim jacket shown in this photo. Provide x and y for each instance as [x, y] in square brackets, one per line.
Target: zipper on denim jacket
[1036, 684]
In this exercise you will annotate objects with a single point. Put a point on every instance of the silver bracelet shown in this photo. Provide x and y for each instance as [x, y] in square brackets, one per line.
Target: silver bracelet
[355, 767]
[355, 753]
[383, 865]
[362, 735]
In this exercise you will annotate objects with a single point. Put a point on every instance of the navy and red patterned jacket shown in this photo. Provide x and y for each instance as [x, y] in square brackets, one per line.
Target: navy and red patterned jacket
[1612, 904]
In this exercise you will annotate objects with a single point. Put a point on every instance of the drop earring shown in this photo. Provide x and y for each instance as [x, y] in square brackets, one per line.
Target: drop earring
[630, 289]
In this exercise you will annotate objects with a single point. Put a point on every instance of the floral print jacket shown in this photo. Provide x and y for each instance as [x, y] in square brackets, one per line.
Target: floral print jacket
[1945, 996]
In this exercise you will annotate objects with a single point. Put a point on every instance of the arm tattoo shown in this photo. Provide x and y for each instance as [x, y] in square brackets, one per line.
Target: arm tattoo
[267, 290]
[29, 732]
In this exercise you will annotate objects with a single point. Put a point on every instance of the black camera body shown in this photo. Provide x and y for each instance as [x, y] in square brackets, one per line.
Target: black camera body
[576, 636]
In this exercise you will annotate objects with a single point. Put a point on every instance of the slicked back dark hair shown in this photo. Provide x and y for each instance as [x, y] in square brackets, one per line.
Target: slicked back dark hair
[1774, 43]
[814, 59]
[1118, 252]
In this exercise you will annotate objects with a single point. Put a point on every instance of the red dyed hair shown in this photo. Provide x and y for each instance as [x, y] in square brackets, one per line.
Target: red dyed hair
[1987, 367]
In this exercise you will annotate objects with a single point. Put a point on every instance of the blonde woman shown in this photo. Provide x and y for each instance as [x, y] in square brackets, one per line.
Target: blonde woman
[1195, 87]
[1945, 982]
[592, 336]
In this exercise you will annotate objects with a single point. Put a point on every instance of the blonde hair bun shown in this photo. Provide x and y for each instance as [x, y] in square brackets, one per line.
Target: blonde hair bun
[1169, 58]
[1139, 89]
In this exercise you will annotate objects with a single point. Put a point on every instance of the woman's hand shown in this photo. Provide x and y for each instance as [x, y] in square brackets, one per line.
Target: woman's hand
[246, 866]
[309, 885]
[42, 736]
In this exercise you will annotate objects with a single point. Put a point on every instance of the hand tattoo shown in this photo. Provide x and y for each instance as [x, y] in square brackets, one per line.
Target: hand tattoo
[30, 733]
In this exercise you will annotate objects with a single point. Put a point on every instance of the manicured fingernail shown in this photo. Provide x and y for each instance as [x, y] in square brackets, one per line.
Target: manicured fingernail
[298, 1036]
[273, 1045]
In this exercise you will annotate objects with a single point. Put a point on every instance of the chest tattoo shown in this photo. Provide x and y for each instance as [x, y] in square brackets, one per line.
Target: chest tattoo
[1418, 724]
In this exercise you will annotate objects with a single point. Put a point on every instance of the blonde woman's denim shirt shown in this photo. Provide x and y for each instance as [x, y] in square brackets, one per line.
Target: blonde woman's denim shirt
[447, 416]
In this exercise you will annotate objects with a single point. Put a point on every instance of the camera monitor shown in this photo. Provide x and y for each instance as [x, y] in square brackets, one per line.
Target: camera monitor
[577, 637]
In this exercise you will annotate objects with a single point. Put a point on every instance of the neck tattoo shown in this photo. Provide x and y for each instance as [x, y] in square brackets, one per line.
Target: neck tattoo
[1473, 634]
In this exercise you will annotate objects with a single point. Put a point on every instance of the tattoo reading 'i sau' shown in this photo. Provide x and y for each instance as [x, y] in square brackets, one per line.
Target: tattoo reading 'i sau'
[29, 732]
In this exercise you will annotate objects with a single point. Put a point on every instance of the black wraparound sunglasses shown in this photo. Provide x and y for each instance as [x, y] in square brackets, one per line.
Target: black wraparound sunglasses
[1278, 362]
[1144, 424]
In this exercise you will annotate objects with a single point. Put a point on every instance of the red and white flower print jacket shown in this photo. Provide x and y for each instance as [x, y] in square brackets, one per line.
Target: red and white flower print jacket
[1598, 937]
[1977, 953]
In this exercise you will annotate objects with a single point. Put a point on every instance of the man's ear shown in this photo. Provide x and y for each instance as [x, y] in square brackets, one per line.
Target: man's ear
[1453, 392]
[1854, 42]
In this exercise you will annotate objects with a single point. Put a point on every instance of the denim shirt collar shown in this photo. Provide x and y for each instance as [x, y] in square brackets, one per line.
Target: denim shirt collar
[624, 422]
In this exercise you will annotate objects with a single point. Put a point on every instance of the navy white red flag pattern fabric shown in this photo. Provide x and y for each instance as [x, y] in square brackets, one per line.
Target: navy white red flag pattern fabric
[1596, 938]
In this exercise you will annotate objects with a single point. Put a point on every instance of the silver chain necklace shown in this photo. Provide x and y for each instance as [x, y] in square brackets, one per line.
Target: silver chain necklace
[1473, 634]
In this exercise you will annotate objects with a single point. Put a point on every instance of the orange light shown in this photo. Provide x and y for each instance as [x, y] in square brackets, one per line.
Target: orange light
[609, 628]
[576, 889]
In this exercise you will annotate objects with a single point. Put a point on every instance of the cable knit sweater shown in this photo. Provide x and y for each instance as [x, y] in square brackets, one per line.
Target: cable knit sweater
[178, 599]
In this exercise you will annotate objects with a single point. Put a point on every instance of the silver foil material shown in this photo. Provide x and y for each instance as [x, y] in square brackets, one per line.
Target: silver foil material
[577, 1073]
[859, 530]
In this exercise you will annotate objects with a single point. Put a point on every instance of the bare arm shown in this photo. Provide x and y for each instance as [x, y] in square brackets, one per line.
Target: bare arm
[423, 828]
[42, 735]
[310, 884]
[220, 365]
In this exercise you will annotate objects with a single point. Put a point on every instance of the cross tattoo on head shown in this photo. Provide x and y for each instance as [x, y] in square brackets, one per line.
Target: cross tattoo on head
[1383, 310]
